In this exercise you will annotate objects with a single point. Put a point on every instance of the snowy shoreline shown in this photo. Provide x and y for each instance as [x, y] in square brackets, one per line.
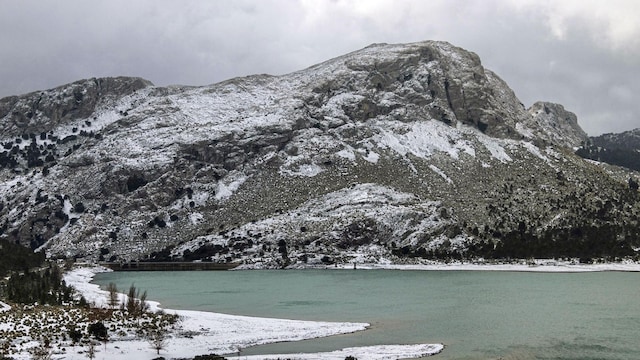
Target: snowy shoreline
[201, 333]
[538, 265]
[227, 334]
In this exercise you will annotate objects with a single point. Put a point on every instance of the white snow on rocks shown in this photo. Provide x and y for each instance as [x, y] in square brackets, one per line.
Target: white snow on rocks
[372, 157]
[196, 218]
[4, 307]
[441, 173]
[422, 139]
[229, 186]
[306, 170]
[535, 151]
[496, 150]
[347, 154]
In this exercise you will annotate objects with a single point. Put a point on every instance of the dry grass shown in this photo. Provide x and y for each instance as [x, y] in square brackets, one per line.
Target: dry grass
[26, 327]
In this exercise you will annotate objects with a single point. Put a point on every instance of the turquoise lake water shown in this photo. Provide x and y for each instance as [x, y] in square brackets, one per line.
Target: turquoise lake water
[476, 314]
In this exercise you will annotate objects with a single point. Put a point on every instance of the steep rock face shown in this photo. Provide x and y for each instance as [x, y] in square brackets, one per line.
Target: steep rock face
[42, 111]
[392, 152]
[558, 125]
[416, 81]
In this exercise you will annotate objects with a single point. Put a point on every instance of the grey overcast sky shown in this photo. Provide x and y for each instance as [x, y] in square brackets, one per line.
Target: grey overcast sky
[580, 53]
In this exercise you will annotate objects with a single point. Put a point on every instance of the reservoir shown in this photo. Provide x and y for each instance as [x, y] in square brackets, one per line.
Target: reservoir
[476, 314]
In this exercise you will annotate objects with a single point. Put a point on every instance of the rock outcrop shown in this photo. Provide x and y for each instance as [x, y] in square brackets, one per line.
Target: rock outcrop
[556, 125]
[42, 111]
[417, 81]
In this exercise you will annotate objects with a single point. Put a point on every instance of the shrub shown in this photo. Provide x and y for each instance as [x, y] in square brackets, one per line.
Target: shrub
[98, 330]
[79, 208]
[209, 357]
[75, 335]
[113, 295]
[136, 304]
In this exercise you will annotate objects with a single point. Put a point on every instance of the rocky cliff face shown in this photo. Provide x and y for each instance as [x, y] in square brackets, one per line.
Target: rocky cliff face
[390, 153]
[44, 111]
[555, 125]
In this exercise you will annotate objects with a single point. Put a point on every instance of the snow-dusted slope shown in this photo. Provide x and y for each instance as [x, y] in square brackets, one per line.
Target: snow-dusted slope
[393, 150]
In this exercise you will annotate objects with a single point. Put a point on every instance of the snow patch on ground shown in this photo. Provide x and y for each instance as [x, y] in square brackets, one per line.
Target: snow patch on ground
[422, 139]
[551, 152]
[494, 148]
[307, 170]
[310, 170]
[372, 157]
[535, 151]
[225, 190]
[441, 173]
[4, 307]
[524, 130]
[379, 352]
[196, 218]
[347, 154]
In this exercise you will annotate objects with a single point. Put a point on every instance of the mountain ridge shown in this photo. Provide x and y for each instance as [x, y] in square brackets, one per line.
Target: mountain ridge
[621, 149]
[398, 152]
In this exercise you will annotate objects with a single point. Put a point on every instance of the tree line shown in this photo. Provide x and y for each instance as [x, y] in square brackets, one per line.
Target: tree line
[15, 257]
[44, 286]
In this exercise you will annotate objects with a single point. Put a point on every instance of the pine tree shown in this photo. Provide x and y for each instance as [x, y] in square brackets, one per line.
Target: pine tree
[113, 295]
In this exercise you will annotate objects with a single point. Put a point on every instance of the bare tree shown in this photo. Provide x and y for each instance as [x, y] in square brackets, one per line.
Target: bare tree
[143, 305]
[131, 299]
[136, 304]
[158, 338]
[113, 295]
[91, 350]
[42, 351]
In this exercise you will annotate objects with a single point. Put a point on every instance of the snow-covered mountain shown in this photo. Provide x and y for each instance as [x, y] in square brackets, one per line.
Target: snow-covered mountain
[389, 153]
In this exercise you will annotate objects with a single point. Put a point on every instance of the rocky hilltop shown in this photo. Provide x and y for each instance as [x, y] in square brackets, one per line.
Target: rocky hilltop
[628, 140]
[621, 149]
[390, 153]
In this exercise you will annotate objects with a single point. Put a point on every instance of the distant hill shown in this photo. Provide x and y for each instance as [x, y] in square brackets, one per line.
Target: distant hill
[621, 149]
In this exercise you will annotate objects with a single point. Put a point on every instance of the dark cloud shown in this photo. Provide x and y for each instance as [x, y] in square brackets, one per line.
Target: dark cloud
[563, 52]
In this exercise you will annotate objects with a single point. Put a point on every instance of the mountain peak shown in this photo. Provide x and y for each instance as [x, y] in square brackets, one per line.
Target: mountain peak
[423, 80]
[437, 80]
[392, 151]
